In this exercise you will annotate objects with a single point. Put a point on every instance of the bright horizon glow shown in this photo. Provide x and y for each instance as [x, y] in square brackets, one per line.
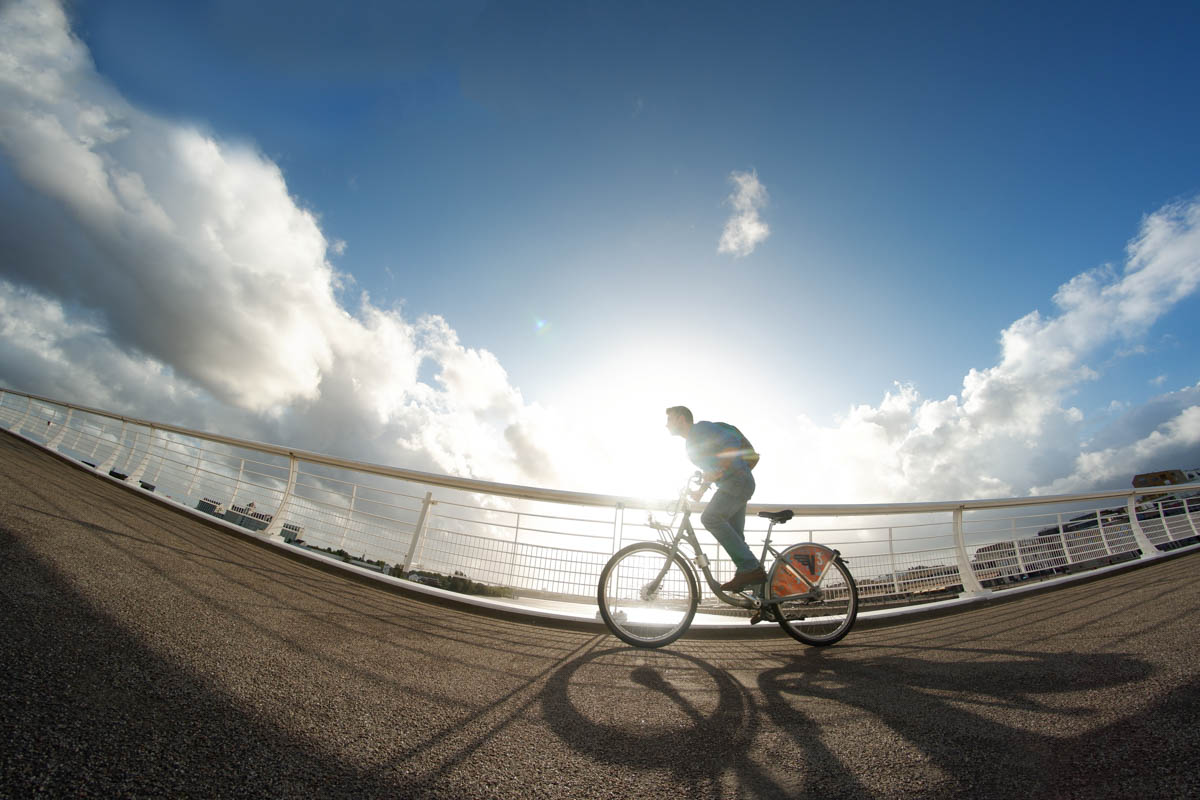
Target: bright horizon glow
[892, 254]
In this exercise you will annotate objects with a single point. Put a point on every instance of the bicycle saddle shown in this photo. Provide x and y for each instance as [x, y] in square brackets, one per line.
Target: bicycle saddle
[777, 516]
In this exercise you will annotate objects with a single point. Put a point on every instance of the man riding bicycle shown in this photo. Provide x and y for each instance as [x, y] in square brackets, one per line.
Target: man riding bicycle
[726, 458]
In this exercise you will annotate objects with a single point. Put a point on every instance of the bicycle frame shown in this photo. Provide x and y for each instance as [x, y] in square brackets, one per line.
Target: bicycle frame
[649, 592]
[686, 533]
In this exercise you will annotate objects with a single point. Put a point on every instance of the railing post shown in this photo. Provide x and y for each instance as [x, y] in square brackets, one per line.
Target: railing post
[276, 526]
[78, 437]
[1062, 540]
[349, 515]
[195, 472]
[1149, 550]
[418, 532]
[970, 581]
[111, 461]
[892, 562]
[1162, 516]
[162, 459]
[140, 470]
[1103, 533]
[1017, 549]
[25, 417]
[237, 486]
[57, 440]
[512, 559]
[618, 526]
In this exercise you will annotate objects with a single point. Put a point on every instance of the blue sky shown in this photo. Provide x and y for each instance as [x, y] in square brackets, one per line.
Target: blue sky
[552, 180]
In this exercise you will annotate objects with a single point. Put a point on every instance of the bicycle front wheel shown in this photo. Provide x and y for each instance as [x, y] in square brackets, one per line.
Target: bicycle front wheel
[819, 616]
[647, 595]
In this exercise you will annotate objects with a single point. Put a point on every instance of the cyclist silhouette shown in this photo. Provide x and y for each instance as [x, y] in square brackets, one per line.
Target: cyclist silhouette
[726, 457]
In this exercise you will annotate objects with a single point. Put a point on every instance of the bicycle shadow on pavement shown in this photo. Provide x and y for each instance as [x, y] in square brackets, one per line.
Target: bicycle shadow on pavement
[668, 712]
[844, 725]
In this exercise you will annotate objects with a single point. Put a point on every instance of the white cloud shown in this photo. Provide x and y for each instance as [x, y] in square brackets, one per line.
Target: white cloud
[70, 356]
[1012, 431]
[195, 249]
[203, 282]
[1170, 446]
[744, 230]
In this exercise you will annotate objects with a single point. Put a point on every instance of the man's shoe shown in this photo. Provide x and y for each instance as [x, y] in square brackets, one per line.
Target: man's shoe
[743, 579]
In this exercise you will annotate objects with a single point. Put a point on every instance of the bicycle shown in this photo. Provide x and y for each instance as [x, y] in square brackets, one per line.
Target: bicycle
[649, 591]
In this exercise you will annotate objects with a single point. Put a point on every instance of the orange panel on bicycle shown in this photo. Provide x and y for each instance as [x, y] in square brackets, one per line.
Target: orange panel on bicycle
[801, 568]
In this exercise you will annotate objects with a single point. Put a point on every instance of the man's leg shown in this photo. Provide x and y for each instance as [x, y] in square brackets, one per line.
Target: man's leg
[738, 521]
[725, 519]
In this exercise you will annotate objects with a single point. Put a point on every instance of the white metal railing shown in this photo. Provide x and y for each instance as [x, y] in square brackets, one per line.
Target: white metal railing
[535, 542]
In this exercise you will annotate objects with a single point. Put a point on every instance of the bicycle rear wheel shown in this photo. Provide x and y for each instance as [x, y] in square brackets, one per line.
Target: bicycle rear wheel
[647, 595]
[820, 616]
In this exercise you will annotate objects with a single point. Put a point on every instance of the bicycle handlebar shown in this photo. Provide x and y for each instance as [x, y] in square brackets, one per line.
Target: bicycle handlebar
[694, 483]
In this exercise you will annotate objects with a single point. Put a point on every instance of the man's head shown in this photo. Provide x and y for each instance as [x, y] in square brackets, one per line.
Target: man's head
[679, 420]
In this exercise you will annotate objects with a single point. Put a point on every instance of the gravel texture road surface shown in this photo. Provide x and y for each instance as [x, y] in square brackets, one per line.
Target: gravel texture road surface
[145, 653]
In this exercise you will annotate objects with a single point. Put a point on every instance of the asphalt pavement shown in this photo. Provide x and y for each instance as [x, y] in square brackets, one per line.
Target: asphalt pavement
[146, 653]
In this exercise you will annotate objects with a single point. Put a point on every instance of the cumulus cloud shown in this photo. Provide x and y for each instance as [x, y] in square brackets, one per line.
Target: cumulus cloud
[149, 259]
[744, 230]
[192, 249]
[1173, 444]
[1012, 431]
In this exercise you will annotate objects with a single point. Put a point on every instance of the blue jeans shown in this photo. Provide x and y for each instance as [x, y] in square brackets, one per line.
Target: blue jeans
[725, 517]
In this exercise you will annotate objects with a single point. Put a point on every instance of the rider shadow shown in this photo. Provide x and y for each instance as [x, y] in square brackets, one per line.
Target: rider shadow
[996, 722]
[652, 710]
[982, 723]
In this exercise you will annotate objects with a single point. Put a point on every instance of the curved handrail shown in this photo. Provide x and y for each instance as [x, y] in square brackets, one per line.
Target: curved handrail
[934, 548]
[591, 499]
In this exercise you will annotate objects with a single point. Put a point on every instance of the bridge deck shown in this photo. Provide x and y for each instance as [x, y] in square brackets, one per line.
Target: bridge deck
[144, 652]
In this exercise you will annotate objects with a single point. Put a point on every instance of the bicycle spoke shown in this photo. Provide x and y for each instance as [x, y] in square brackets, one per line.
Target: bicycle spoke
[647, 596]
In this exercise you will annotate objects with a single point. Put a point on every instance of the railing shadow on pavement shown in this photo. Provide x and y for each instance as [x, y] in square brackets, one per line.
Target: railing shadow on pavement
[95, 712]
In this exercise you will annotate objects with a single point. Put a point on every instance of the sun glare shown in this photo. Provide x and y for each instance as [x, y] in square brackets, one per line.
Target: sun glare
[618, 410]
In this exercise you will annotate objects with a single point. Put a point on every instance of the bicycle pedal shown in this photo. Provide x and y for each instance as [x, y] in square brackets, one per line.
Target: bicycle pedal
[757, 618]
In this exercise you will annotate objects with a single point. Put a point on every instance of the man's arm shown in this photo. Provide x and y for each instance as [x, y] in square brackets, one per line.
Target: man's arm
[714, 475]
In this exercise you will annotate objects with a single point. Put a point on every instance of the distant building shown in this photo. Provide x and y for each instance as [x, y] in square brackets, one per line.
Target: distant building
[248, 517]
[1169, 477]
[291, 533]
[417, 577]
[210, 506]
